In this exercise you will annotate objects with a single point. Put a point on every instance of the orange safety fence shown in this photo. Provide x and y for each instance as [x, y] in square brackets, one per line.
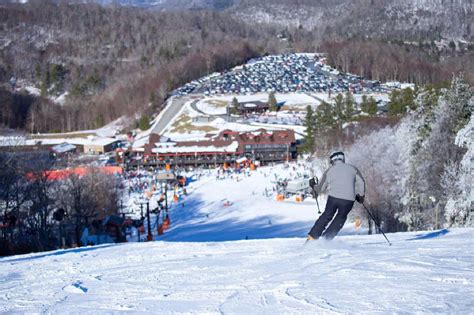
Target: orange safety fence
[160, 230]
[79, 171]
[166, 224]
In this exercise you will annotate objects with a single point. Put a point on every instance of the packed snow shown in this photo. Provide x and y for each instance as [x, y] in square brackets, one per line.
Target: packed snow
[420, 273]
[233, 249]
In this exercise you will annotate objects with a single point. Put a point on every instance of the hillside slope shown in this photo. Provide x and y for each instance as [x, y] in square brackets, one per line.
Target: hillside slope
[205, 264]
[407, 19]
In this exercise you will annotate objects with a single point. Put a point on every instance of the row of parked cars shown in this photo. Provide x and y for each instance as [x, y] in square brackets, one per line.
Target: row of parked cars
[284, 74]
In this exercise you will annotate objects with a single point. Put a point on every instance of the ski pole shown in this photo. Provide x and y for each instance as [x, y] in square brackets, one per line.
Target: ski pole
[316, 180]
[376, 223]
[317, 203]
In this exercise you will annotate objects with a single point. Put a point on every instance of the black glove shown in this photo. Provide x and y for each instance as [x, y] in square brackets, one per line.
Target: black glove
[313, 182]
[359, 198]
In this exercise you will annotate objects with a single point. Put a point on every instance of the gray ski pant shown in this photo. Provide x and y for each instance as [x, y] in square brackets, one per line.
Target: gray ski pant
[343, 207]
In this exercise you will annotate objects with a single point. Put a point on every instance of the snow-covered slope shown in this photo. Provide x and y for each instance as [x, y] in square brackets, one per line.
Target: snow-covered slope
[204, 264]
[421, 272]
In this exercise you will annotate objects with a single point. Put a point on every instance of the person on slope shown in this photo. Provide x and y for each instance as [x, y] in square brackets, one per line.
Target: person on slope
[339, 180]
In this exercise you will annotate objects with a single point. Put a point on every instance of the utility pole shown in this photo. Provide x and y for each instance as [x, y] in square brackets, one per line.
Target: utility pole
[141, 220]
[166, 197]
[150, 236]
[141, 212]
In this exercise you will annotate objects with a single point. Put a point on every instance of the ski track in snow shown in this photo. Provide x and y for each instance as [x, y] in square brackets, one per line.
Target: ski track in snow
[203, 264]
[248, 277]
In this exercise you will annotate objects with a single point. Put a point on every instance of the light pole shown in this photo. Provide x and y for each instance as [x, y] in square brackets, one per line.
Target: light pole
[150, 236]
[165, 188]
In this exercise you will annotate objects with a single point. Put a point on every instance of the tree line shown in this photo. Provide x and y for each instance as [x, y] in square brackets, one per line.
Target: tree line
[38, 213]
[124, 66]
[416, 161]
[395, 61]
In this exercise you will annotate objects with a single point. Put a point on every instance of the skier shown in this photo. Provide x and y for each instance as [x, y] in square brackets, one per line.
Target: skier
[339, 181]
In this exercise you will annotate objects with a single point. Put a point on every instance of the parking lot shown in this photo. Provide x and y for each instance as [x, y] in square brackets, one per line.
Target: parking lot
[283, 74]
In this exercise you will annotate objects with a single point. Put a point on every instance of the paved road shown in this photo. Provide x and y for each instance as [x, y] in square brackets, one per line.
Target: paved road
[194, 107]
[171, 110]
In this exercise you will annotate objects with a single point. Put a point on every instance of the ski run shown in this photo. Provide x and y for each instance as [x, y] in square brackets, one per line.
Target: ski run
[240, 251]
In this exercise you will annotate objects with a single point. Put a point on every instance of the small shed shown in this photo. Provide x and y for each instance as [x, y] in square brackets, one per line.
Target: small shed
[253, 107]
[63, 149]
[101, 146]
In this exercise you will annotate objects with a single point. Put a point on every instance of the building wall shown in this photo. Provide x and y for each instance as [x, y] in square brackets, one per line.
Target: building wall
[93, 148]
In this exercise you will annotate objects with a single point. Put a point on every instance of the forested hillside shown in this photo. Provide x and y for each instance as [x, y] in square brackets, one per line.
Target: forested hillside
[419, 170]
[116, 60]
[113, 61]
[403, 19]
[422, 41]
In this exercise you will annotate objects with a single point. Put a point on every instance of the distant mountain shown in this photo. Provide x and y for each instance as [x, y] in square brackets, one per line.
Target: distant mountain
[402, 19]
[163, 5]
[174, 4]
[95, 50]
[383, 19]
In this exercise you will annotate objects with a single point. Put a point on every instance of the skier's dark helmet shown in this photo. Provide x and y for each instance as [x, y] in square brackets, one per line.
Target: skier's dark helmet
[337, 156]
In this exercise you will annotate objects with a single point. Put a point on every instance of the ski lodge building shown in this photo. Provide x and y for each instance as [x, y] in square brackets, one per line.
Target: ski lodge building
[228, 147]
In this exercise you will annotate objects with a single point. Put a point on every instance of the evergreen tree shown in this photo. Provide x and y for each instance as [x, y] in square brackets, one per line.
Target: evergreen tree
[395, 106]
[348, 107]
[372, 106]
[364, 105]
[400, 101]
[272, 102]
[235, 103]
[144, 123]
[234, 108]
[339, 111]
[368, 105]
[325, 116]
[310, 125]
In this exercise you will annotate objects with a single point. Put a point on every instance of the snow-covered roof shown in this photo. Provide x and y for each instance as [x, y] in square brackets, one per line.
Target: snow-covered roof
[140, 142]
[63, 147]
[195, 148]
[102, 141]
[23, 141]
[164, 144]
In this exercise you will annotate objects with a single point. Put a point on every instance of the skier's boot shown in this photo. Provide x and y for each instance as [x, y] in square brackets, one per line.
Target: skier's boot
[309, 238]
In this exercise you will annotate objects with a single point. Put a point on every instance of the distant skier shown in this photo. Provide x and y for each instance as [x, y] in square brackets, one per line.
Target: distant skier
[339, 181]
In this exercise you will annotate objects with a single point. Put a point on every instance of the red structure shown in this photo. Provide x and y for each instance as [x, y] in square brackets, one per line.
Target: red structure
[79, 171]
[225, 148]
